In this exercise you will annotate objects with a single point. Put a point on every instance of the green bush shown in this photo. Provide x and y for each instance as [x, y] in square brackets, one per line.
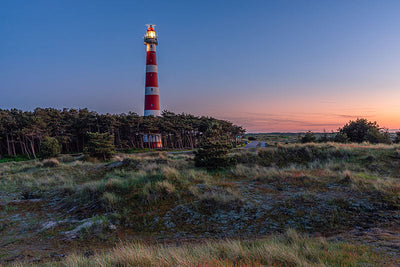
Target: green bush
[362, 130]
[49, 147]
[100, 146]
[309, 137]
[376, 136]
[341, 138]
[213, 150]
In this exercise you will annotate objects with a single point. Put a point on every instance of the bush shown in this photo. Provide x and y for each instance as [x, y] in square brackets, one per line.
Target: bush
[397, 138]
[309, 137]
[100, 146]
[324, 138]
[213, 150]
[341, 138]
[362, 130]
[375, 136]
[51, 163]
[49, 147]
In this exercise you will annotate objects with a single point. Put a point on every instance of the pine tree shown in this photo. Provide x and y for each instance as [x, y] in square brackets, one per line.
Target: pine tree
[100, 146]
[214, 148]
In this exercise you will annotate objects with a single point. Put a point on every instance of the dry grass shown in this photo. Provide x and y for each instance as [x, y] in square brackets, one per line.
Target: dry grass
[290, 249]
[137, 192]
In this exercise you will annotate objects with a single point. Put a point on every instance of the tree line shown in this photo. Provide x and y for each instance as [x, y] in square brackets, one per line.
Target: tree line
[21, 132]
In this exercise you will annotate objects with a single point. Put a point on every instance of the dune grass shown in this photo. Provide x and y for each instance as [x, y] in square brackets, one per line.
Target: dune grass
[289, 249]
[325, 188]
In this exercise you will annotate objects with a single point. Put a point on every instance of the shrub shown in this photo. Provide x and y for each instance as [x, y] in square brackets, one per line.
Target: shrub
[49, 147]
[341, 138]
[324, 138]
[243, 156]
[397, 138]
[309, 137]
[51, 163]
[362, 130]
[100, 146]
[213, 150]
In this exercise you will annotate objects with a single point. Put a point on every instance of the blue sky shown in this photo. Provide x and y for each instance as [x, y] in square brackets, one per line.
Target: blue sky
[267, 65]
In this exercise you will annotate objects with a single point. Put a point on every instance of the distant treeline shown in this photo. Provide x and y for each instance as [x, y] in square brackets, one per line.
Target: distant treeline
[357, 131]
[21, 132]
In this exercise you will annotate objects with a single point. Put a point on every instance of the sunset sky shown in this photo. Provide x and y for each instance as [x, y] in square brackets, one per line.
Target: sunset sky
[266, 65]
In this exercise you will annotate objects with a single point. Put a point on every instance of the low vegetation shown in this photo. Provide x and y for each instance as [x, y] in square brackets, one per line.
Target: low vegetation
[357, 131]
[270, 206]
[290, 249]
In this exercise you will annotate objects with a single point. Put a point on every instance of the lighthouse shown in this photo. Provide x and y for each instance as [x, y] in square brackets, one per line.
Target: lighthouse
[151, 100]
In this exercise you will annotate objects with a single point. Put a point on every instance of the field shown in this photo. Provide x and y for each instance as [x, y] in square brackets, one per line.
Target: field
[311, 204]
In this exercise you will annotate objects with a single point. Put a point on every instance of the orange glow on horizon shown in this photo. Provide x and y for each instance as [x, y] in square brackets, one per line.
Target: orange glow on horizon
[306, 113]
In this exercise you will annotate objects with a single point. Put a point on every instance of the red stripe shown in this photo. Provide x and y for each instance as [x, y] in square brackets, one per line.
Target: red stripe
[151, 79]
[149, 100]
[151, 58]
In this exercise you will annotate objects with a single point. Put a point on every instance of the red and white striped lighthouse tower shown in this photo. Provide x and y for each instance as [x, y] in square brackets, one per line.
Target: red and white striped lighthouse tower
[151, 100]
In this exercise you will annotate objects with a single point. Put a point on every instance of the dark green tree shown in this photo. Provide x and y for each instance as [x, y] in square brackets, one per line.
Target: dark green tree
[49, 147]
[100, 146]
[214, 148]
[362, 130]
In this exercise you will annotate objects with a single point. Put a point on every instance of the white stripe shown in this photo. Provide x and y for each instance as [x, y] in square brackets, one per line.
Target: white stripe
[151, 91]
[151, 47]
[155, 113]
[151, 68]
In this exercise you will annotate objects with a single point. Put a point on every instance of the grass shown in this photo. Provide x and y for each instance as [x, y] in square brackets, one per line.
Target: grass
[289, 249]
[237, 213]
[14, 158]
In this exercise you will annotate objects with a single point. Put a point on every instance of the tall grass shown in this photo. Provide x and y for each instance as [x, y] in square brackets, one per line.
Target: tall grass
[289, 249]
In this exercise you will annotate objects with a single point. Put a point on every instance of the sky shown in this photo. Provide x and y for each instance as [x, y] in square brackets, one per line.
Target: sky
[269, 66]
